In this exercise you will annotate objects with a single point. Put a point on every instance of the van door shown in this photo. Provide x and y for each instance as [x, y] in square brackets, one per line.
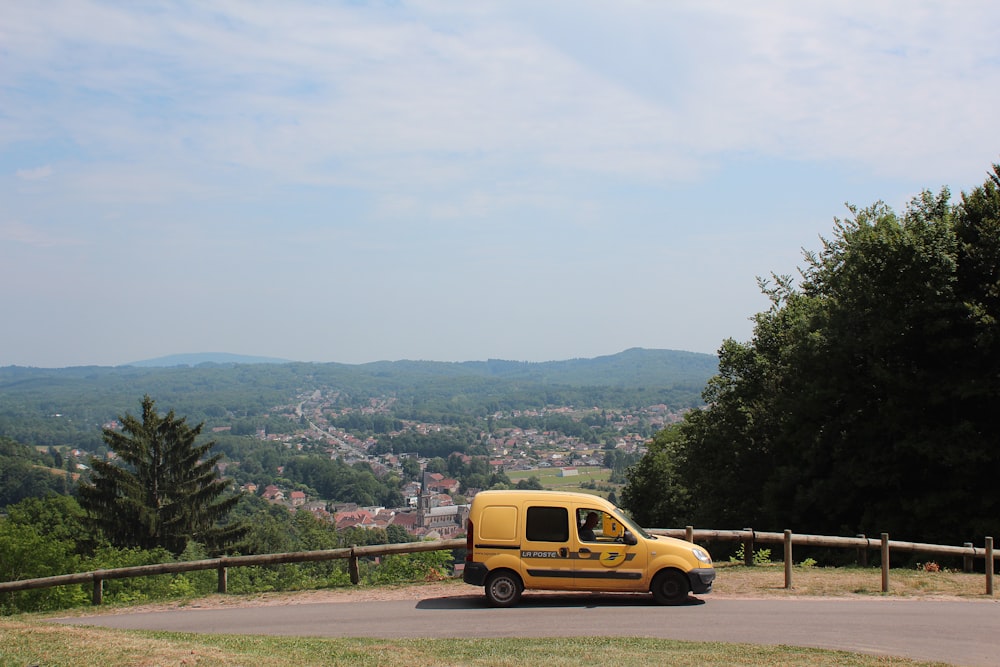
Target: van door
[545, 551]
[601, 559]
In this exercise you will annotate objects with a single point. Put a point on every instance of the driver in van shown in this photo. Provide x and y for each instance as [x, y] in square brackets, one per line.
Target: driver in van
[587, 528]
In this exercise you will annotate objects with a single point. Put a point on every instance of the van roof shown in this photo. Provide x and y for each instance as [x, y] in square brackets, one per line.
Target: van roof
[515, 495]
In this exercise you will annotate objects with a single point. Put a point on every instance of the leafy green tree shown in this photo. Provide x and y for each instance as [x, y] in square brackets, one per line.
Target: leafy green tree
[270, 526]
[532, 483]
[27, 554]
[21, 474]
[438, 465]
[865, 401]
[311, 534]
[411, 468]
[54, 517]
[397, 535]
[654, 494]
[162, 491]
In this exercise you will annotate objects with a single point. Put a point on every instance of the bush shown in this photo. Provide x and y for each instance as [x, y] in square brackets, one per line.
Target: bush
[25, 554]
[132, 589]
[760, 557]
[400, 568]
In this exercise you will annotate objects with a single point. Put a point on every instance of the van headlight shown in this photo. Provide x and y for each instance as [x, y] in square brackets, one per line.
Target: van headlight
[702, 555]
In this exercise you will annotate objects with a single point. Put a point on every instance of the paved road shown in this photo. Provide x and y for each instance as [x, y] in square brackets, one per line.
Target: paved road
[956, 632]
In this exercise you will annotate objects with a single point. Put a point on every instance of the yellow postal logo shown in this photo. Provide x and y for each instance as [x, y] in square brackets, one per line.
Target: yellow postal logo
[612, 558]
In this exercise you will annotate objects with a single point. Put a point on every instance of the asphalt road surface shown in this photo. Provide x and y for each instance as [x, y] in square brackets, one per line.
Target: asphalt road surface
[955, 632]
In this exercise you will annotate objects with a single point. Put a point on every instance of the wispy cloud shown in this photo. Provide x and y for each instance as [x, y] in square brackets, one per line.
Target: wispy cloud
[383, 98]
[20, 233]
[539, 137]
[35, 174]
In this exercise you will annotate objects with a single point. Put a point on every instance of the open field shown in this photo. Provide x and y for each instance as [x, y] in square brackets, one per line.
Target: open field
[551, 479]
[29, 640]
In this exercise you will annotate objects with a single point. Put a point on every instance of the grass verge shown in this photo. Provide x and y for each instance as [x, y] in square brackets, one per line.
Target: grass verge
[769, 581]
[24, 643]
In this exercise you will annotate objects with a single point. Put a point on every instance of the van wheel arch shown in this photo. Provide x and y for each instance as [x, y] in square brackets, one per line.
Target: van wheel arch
[670, 587]
[503, 588]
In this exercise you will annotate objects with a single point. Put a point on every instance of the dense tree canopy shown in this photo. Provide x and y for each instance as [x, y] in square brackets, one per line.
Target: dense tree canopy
[339, 482]
[162, 491]
[868, 399]
[26, 474]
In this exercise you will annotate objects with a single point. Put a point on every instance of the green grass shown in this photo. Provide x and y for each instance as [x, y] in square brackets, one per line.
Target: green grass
[550, 479]
[33, 642]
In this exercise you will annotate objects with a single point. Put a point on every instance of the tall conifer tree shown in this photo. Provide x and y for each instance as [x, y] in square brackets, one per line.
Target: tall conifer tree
[162, 491]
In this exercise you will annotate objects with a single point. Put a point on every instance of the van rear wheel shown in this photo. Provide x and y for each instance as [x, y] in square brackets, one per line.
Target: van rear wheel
[670, 587]
[503, 588]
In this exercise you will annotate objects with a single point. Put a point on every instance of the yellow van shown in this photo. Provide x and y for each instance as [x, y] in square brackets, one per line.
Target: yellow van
[574, 542]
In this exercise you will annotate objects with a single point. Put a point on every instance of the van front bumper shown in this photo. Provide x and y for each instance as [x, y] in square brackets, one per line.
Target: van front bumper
[475, 574]
[701, 580]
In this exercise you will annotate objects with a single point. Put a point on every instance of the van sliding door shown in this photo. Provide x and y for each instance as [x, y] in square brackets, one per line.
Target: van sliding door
[546, 547]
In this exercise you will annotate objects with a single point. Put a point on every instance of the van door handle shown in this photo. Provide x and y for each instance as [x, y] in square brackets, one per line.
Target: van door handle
[584, 550]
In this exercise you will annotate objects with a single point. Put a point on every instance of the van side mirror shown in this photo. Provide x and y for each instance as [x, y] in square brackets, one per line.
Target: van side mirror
[629, 539]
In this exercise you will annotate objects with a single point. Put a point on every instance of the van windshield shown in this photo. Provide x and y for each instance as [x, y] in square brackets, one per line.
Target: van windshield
[633, 526]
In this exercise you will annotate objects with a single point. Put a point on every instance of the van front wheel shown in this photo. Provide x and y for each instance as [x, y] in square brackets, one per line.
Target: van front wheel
[670, 587]
[503, 588]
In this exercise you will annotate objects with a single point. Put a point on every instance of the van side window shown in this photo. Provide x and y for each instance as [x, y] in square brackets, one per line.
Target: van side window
[547, 524]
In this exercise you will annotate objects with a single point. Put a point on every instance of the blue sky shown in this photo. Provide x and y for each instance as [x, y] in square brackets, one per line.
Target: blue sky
[352, 181]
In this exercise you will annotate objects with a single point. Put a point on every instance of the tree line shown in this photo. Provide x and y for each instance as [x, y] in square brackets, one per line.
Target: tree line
[868, 398]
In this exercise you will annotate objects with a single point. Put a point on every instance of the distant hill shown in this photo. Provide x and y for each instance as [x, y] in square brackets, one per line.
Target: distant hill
[635, 367]
[200, 358]
[48, 407]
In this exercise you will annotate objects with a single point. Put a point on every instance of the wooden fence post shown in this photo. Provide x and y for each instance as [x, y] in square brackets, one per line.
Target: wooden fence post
[862, 553]
[748, 547]
[98, 595]
[352, 567]
[967, 560]
[223, 579]
[990, 566]
[788, 559]
[885, 562]
[689, 533]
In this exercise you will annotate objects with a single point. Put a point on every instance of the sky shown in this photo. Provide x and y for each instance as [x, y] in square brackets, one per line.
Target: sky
[452, 181]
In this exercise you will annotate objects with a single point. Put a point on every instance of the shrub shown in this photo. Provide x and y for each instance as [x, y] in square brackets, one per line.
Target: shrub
[422, 566]
[760, 557]
[25, 554]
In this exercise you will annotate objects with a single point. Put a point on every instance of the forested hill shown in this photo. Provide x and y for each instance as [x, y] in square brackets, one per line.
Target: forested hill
[632, 369]
[36, 405]
[635, 367]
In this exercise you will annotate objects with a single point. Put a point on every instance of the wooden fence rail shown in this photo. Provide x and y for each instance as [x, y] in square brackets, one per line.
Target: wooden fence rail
[863, 544]
[747, 536]
[352, 554]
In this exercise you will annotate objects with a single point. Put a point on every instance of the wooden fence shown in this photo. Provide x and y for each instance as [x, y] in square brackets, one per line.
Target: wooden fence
[862, 544]
[748, 537]
[222, 565]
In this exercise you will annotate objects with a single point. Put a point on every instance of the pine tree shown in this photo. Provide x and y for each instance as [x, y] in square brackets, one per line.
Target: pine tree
[162, 491]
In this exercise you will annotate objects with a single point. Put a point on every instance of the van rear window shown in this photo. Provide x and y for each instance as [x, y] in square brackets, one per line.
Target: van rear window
[547, 524]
